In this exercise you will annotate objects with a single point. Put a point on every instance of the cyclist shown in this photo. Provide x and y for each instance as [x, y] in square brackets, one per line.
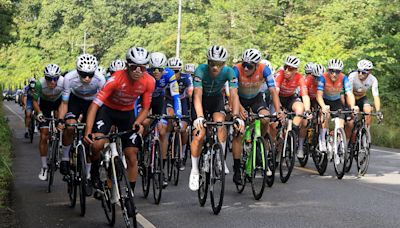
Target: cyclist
[49, 90]
[207, 97]
[190, 68]
[80, 88]
[114, 105]
[330, 86]
[185, 84]
[361, 81]
[252, 75]
[27, 103]
[101, 71]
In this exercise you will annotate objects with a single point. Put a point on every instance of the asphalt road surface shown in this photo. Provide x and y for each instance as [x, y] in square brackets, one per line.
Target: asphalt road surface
[307, 200]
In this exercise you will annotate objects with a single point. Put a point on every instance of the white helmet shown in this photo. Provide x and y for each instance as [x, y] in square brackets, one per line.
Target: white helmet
[251, 56]
[100, 70]
[269, 65]
[217, 53]
[292, 61]
[318, 70]
[157, 60]
[174, 63]
[365, 65]
[190, 68]
[52, 70]
[117, 65]
[137, 55]
[86, 63]
[335, 64]
[308, 68]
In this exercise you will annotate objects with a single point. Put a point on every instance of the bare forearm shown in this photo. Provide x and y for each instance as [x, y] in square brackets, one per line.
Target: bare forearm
[275, 99]
[377, 101]
[142, 115]
[62, 110]
[91, 115]
[235, 102]
[306, 102]
[36, 106]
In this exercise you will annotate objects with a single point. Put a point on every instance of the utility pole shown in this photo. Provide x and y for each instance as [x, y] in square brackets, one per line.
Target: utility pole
[178, 37]
[84, 45]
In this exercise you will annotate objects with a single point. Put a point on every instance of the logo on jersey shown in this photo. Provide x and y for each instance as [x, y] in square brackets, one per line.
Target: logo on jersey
[197, 79]
[100, 123]
[234, 80]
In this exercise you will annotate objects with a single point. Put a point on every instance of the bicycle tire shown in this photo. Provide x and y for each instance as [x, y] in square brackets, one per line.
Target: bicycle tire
[340, 156]
[269, 146]
[217, 175]
[350, 156]
[363, 154]
[177, 147]
[306, 148]
[158, 173]
[243, 158]
[289, 159]
[169, 162]
[204, 180]
[51, 164]
[31, 129]
[72, 188]
[82, 179]
[107, 205]
[259, 164]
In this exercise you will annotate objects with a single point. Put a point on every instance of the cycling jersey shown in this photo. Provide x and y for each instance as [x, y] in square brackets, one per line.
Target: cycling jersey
[212, 86]
[28, 92]
[86, 91]
[184, 83]
[43, 92]
[120, 93]
[360, 88]
[287, 87]
[311, 86]
[249, 87]
[331, 89]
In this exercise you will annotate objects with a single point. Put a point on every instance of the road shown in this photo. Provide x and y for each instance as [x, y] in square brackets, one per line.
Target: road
[307, 200]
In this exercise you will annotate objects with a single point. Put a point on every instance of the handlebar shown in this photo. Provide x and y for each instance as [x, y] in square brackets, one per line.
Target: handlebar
[115, 135]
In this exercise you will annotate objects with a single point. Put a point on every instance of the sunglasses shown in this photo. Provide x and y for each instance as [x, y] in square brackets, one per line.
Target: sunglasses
[247, 65]
[156, 69]
[363, 72]
[176, 71]
[85, 74]
[133, 67]
[215, 63]
[49, 79]
[289, 68]
[332, 71]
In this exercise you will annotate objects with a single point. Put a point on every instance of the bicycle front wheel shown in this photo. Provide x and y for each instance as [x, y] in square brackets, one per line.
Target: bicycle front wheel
[204, 179]
[363, 152]
[51, 163]
[270, 159]
[217, 178]
[145, 172]
[339, 157]
[259, 168]
[82, 180]
[286, 163]
[106, 204]
[176, 160]
[157, 172]
[31, 129]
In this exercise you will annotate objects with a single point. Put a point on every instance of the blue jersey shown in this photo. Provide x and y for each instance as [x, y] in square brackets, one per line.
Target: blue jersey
[184, 83]
[332, 90]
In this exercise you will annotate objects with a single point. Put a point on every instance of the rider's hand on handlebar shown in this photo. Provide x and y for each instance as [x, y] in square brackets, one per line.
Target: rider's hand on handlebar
[88, 139]
[243, 113]
[198, 123]
[355, 109]
[60, 124]
[326, 109]
[379, 115]
[139, 127]
[239, 124]
[308, 114]
[40, 117]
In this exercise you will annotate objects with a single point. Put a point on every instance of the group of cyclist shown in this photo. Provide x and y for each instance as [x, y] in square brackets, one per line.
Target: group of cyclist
[147, 83]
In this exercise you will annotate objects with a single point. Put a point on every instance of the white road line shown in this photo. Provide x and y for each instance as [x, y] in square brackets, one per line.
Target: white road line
[144, 222]
[19, 116]
[385, 151]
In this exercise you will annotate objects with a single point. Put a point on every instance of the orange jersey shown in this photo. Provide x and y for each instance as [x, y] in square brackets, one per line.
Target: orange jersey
[288, 87]
[312, 86]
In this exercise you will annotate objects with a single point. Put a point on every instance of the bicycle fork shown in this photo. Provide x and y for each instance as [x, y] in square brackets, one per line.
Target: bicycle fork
[115, 191]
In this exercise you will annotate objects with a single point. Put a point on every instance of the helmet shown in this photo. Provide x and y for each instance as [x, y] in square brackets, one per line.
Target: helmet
[100, 70]
[52, 70]
[269, 64]
[158, 60]
[335, 64]
[318, 70]
[174, 63]
[190, 68]
[31, 80]
[308, 68]
[137, 55]
[86, 63]
[251, 55]
[217, 53]
[365, 65]
[292, 61]
[117, 65]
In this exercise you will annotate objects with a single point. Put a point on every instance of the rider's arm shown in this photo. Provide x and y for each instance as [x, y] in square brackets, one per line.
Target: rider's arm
[91, 116]
[349, 92]
[375, 93]
[174, 89]
[65, 97]
[269, 79]
[304, 94]
[320, 92]
[197, 101]
[24, 100]
[189, 89]
[36, 95]
[234, 97]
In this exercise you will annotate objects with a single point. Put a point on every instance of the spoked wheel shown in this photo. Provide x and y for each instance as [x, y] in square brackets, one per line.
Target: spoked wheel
[286, 163]
[31, 129]
[72, 188]
[145, 170]
[270, 152]
[106, 204]
[242, 170]
[157, 173]
[306, 151]
[170, 160]
[363, 152]
[81, 177]
[320, 160]
[259, 168]
[339, 158]
[204, 179]
[217, 181]
[126, 195]
[51, 164]
[349, 156]
[177, 142]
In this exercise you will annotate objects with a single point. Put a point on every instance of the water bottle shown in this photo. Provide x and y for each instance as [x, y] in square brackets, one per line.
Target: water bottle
[330, 145]
[247, 149]
[310, 134]
[103, 174]
[206, 162]
[107, 159]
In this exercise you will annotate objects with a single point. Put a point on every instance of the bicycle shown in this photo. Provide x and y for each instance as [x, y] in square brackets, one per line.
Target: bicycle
[258, 157]
[77, 176]
[311, 139]
[211, 167]
[54, 150]
[115, 186]
[32, 125]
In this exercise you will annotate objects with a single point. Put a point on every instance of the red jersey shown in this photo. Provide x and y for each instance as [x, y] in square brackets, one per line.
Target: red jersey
[120, 93]
[287, 87]
[312, 85]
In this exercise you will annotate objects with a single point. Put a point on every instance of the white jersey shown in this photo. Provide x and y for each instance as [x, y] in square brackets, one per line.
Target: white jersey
[87, 91]
[360, 88]
[44, 92]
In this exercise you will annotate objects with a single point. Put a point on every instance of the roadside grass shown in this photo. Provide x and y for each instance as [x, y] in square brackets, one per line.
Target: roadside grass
[5, 159]
[385, 135]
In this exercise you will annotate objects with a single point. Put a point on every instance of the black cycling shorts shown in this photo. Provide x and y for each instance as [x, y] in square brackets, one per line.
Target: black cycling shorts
[211, 105]
[46, 107]
[256, 103]
[184, 104]
[361, 102]
[77, 106]
[334, 106]
[157, 105]
[287, 102]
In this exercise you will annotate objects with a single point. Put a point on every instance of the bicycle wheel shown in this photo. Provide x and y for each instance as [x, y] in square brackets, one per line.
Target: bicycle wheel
[157, 172]
[145, 173]
[270, 152]
[177, 147]
[81, 178]
[107, 205]
[286, 163]
[217, 178]
[204, 179]
[306, 150]
[125, 194]
[259, 168]
[51, 163]
[363, 152]
[72, 188]
[31, 128]
[170, 161]
[242, 170]
[339, 158]
[349, 157]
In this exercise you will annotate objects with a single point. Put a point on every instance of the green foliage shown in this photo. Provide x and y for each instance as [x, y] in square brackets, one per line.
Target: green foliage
[5, 158]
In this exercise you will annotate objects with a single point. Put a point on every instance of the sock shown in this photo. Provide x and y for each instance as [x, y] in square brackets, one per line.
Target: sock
[44, 161]
[88, 169]
[65, 156]
[236, 164]
[26, 129]
[301, 143]
[195, 164]
[133, 186]
[322, 134]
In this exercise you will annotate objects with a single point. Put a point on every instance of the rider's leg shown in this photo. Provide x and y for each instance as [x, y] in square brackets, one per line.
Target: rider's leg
[220, 117]
[195, 148]
[131, 159]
